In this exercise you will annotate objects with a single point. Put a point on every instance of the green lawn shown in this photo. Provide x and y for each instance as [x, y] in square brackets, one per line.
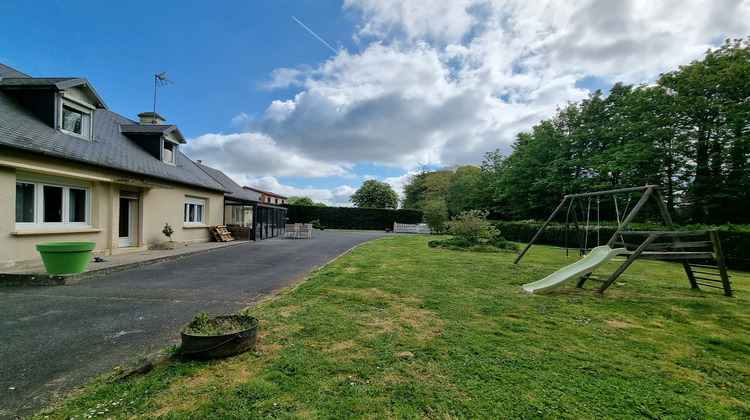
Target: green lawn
[396, 329]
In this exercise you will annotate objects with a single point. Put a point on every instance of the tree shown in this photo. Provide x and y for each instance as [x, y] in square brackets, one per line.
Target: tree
[712, 97]
[304, 201]
[465, 191]
[459, 187]
[375, 194]
[436, 215]
[414, 191]
[534, 177]
[426, 186]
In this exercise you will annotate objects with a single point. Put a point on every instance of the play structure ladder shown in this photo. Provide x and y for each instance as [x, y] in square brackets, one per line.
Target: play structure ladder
[719, 276]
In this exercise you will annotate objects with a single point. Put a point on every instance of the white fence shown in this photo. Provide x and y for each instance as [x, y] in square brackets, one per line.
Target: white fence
[407, 228]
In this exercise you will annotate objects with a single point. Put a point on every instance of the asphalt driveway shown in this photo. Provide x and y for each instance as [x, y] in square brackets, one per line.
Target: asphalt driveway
[57, 338]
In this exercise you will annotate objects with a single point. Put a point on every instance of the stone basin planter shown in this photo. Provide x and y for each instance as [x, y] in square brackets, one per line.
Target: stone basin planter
[65, 257]
[214, 343]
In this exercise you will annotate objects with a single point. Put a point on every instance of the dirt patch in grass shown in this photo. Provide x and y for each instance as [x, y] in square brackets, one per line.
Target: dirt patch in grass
[341, 346]
[182, 396]
[267, 346]
[290, 310]
[392, 378]
[187, 393]
[621, 324]
[395, 314]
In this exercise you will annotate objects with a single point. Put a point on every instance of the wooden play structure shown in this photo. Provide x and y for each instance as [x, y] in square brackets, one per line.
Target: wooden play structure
[701, 247]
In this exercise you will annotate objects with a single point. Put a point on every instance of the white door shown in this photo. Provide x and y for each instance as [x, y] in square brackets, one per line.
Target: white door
[126, 225]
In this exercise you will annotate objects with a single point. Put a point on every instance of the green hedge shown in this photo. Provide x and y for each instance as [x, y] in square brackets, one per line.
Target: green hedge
[735, 241]
[352, 217]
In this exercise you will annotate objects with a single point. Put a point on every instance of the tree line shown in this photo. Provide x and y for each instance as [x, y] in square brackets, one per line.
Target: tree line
[689, 133]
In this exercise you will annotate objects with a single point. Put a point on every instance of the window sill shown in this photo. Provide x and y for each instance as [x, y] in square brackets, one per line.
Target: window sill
[195, 227]
[80, 136]
[53, 231]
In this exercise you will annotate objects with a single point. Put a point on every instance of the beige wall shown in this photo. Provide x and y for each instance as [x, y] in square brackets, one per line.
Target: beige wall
[156, 206]
[162, 206]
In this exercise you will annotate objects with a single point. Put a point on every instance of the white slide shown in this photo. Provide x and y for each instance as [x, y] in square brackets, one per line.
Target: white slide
[595, 259]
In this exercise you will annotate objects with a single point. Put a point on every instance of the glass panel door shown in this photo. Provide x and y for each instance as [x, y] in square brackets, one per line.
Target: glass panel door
[125, 225]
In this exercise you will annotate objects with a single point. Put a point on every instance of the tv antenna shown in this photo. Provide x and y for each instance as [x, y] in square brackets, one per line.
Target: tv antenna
[159, 80]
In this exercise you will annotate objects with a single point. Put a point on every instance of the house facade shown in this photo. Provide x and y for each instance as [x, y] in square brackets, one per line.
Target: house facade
[72, 170]
[268, 196]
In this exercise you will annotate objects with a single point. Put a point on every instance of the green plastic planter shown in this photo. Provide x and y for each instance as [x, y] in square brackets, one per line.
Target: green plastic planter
[65, 257]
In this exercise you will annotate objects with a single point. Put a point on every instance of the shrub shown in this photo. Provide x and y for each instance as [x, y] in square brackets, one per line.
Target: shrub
[452, 243]
[457, 243]
[473, 226]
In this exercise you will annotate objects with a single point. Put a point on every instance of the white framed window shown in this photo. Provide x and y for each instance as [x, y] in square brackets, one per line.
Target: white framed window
[75, 118]
[195, 211]
[46, 205]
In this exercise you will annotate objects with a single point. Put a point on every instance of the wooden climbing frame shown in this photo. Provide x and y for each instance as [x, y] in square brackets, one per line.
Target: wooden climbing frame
[667, 245]
[658, 245]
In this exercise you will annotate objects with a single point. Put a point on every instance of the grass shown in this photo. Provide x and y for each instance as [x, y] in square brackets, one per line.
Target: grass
[396, 329]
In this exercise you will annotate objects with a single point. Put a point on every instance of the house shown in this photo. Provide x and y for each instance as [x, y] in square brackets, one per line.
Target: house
[72, 170]
[246, 217]
[267, 196]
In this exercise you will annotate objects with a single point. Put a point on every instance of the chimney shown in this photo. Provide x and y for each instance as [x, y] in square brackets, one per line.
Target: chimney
[151, 118]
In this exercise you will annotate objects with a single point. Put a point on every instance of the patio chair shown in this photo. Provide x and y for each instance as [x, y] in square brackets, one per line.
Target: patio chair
[291, 231]
[305, 231]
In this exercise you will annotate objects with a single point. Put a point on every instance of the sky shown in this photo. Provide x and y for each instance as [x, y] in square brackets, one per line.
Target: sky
[313, 97]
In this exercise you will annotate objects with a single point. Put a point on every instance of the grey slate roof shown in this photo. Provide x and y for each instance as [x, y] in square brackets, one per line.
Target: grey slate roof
[34, 81]
[150, 129]
[58, 83]
[6, 71]
[21, 129]
[235, 191]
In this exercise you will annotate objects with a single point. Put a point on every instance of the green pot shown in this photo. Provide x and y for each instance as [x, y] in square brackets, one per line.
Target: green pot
[65, 257]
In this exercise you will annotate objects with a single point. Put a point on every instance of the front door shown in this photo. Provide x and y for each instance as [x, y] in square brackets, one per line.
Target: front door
[126, 225]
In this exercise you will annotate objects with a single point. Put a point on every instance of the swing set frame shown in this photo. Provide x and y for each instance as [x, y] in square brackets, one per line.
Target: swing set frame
[658, 245]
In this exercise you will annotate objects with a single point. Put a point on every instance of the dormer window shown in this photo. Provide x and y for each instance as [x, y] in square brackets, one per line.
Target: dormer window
[159, 140]
[169, 152]
[76, 118]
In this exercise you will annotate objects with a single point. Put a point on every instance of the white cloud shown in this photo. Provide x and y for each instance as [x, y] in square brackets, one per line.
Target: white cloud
[450, 80]
[398, 182]
[444, 81]
[254, 153]
[338, 197]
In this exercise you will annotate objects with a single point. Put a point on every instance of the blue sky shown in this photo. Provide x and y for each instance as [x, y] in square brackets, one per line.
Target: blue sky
[411, 83]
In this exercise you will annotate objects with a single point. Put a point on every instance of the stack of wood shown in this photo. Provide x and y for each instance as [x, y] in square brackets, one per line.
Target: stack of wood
[241, 233]
[221, 233]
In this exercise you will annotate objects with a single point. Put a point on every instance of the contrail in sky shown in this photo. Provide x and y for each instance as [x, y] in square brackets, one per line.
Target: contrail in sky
[315, 35]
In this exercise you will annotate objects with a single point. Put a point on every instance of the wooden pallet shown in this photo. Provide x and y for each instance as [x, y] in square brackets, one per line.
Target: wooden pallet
[221, 233]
